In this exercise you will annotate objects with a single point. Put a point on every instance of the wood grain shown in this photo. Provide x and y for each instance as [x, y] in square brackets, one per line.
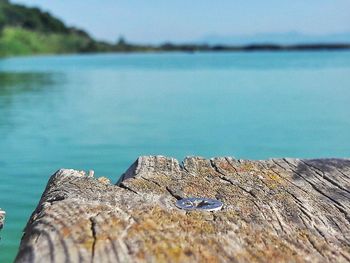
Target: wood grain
[280, 210]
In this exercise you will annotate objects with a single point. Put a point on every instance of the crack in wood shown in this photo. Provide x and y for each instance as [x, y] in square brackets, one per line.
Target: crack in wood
[94, 236]
[324, 176]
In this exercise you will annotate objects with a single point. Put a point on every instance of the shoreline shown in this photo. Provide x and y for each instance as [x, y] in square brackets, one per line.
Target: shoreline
[213, 49]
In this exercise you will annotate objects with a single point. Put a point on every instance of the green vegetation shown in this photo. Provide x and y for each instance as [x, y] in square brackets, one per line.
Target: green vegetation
[30, 18]
[28, 31]
[25, 31]
[19, 41]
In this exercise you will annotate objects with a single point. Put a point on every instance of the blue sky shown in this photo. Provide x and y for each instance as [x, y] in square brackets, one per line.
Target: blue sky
[185, 20]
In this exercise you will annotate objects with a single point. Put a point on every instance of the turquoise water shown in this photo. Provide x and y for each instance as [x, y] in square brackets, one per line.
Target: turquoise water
[102, 111]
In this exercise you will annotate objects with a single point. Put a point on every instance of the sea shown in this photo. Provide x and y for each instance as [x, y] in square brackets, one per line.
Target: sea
[101, 111]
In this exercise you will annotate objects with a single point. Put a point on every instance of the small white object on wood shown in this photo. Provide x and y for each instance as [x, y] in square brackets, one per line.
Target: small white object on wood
[2, 218]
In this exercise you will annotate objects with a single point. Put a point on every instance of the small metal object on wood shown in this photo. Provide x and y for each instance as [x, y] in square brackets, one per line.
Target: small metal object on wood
[280, 210]
[199, 203]
[2, 218]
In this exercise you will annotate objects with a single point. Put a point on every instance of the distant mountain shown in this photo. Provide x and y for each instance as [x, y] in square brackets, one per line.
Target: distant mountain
[289, 38]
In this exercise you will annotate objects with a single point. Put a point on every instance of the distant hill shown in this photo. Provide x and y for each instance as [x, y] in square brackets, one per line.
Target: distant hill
[32, 19]
[289, 38]
[25, 31]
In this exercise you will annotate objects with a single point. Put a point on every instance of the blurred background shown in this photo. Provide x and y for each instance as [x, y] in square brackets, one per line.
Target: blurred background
[89, 85]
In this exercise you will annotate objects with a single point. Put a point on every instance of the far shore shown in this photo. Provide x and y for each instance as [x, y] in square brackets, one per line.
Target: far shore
[201, 48]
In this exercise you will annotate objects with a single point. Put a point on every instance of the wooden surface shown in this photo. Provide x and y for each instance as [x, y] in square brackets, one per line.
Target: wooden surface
[282, 210]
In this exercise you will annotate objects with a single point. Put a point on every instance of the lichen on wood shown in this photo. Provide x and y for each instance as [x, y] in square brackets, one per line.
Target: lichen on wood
[280, 210]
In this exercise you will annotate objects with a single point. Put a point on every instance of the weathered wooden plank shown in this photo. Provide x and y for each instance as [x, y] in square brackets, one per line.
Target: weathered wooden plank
[283, 210]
